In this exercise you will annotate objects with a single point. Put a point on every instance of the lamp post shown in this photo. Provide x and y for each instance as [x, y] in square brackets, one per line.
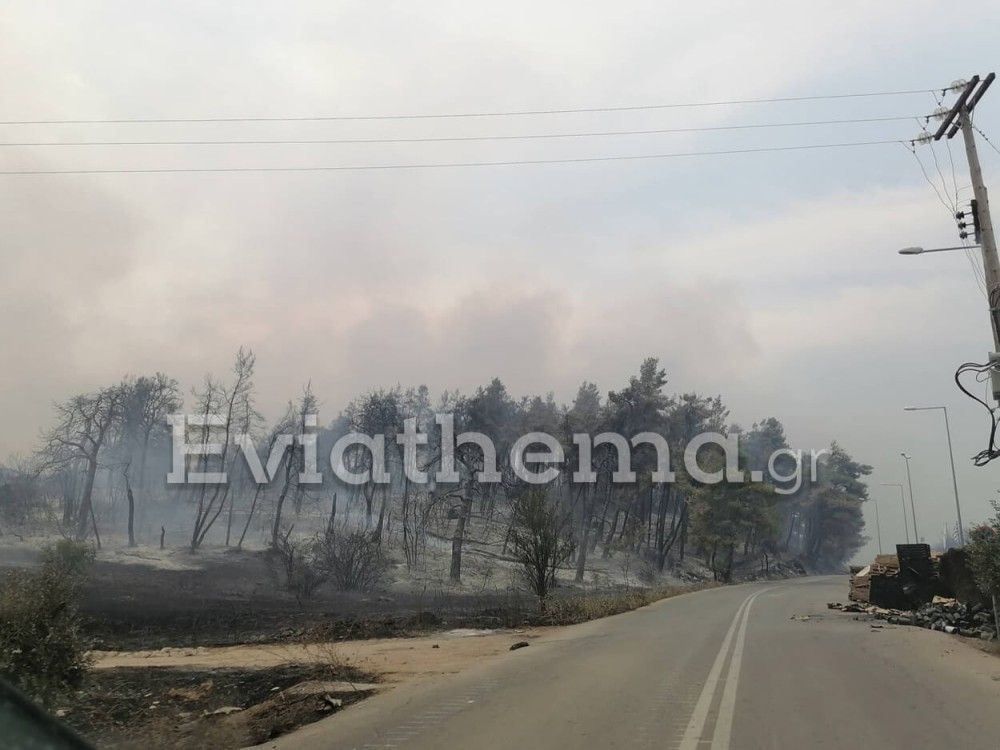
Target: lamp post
[878, 526]
[921, 251]
[951, 455]
[902, 500]
[913, 507]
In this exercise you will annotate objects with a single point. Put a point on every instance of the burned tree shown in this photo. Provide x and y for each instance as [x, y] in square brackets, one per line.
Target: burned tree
[85, 426]
[219, 405]
[149, 400]
[376, 413]
[490, 411]
[540, 540]
[146, 404]
[296, 417]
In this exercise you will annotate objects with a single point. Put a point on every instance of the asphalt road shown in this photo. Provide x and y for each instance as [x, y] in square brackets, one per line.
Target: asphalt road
[742, 667]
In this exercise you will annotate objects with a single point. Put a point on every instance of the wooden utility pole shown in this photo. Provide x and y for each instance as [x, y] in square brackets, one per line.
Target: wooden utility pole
[960, 118]
[987, 239]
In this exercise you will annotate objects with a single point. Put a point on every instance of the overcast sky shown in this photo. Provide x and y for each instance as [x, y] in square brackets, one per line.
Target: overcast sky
[769, 278]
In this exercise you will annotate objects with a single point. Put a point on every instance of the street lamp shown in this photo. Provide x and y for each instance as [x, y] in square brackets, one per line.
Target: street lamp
[951, 455]
[902, 500]
[878, 526]
[913, 508]
[921, 251]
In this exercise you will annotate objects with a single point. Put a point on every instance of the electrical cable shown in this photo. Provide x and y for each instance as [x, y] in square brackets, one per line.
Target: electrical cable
[455, 139]
[953, 207]
[912, 149]
[986, 138]
[954, 173]
[991, 451]
[977, 272]
[951, 157]
[449, 115]
[448, 165]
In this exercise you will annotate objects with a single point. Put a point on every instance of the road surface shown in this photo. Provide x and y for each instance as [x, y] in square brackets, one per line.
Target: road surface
[741, 667]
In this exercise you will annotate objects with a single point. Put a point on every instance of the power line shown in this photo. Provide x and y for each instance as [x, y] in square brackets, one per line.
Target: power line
[986, 138]
[977, 272]
[950, 209]
[454, 139]
[511, 113]
[447, 165]
[951, 156]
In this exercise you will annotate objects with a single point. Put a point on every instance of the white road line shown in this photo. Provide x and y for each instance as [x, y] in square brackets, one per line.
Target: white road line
[692, 735]
[727, 706]
[696, 724]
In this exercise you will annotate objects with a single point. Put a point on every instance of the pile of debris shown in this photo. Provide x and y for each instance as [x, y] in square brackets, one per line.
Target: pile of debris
[901, 581]
[882, 574]
[941, 613]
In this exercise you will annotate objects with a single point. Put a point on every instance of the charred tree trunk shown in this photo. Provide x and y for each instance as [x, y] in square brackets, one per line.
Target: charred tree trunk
[71, 486]
[377, 534]
[276, 528]
[791, 528]
[93, 520]
[675, 529]
[85, 512]
[661, 523]
[253, 507]
[611, 534]
[459, 538]
[131, 512]
[684, 533]
[142, 510]
[728, 571]
[229, 520]
[205, 522]
[279, 506]
[581, 557]
[599, 531]
[369, 493]
[330, 525]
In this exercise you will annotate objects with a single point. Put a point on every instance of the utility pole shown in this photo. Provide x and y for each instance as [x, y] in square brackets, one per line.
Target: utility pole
[954, 479]
[878, 527]
[959, 117]
[902, 500]
[913, 508]
[951, 456]
[991, 263]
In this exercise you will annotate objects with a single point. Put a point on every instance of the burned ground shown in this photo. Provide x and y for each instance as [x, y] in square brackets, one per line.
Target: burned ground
[196, 708]
[235, 599]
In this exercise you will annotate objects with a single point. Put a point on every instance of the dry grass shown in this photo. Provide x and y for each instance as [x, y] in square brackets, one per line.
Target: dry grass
[573, 609]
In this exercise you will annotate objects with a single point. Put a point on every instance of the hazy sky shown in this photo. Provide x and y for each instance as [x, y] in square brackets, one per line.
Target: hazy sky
[769, 278]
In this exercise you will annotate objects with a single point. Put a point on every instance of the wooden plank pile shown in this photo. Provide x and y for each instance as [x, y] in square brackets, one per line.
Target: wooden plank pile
[860, 583]
[901, 581]
[877, 583]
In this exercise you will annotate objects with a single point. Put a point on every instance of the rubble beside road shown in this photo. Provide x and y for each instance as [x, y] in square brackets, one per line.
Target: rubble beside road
[915, 587]
[942, 614]
[906, 579]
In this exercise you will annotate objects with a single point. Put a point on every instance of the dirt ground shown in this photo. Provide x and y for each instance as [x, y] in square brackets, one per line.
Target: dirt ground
[393, 659]
[191, 707]
[234, 696]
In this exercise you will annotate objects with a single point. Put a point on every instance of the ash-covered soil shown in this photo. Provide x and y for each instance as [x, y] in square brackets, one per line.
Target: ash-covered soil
[232, 597]
[166, 707]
